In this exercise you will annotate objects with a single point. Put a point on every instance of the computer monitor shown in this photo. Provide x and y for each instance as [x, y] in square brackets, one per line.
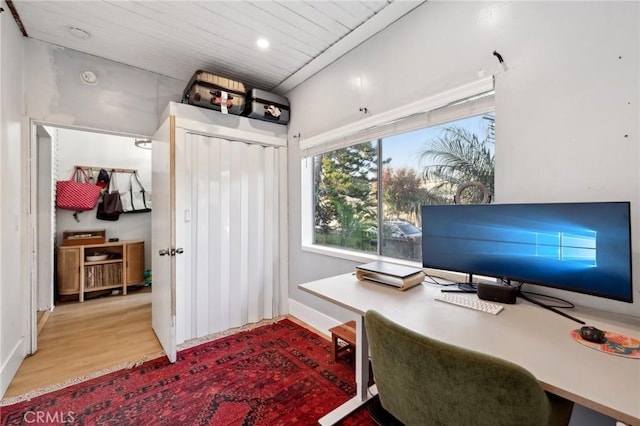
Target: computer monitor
[579, 247]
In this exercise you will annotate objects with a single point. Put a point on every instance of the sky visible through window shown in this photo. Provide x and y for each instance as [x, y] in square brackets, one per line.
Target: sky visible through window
[404, 149]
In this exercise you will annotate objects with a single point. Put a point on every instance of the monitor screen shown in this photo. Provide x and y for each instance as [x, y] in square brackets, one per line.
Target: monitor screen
[580, 247]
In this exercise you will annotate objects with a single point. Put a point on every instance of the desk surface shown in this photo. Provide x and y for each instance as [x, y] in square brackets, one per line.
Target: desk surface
[526, 334]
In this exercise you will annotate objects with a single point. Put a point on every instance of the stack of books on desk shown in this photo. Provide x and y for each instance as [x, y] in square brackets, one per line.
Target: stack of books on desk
[402, 277]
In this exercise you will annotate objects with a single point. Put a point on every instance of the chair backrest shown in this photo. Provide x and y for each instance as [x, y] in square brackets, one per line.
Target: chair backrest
[422, 381]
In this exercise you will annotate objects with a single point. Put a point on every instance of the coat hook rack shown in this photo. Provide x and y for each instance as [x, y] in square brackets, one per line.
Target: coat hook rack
[109, 169]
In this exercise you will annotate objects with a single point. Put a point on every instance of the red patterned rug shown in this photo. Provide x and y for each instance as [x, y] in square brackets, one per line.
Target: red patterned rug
[277, 374]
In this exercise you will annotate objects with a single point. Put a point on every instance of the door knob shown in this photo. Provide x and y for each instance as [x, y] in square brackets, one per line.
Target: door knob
[179, 250]
[164, 252]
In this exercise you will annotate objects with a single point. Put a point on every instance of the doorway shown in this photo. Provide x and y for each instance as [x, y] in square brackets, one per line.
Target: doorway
[54, 151]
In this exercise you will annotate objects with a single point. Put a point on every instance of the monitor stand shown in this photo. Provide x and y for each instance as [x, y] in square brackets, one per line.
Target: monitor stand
[467, 287]
[462, 287]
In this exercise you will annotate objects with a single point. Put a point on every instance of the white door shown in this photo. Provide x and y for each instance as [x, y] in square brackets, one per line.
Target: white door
[229, 204]
[163, 294]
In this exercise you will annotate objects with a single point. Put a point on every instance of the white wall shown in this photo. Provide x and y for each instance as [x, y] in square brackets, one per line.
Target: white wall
[125, 100]
[14, 288]
[562, 109]
[563, 113]
[108, 151]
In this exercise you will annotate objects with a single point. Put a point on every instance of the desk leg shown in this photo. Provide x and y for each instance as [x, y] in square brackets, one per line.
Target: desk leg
[363, 393]
[362, 360]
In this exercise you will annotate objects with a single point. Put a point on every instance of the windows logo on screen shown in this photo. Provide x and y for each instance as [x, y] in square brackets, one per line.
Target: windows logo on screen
[568, 246]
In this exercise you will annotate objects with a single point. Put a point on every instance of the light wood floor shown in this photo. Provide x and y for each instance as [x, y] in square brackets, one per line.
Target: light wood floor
[82, 338]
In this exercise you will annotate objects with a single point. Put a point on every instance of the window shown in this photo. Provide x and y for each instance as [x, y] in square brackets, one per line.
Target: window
[367, 196]
[363, 183]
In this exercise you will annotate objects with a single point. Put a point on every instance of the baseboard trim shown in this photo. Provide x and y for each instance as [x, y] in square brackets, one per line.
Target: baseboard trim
[310, 316]
[10, 367]
[43, 316]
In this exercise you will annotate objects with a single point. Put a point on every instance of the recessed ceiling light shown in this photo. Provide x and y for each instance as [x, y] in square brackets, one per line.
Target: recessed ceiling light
[79, 33]
[262, 43]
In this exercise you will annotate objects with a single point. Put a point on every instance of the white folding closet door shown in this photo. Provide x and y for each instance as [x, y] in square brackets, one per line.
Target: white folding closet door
[231, 193]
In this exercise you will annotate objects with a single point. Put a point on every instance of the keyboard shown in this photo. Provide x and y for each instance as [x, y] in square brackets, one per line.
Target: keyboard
[470, 302]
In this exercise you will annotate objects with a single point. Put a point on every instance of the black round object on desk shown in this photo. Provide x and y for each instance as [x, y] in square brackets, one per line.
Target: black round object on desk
[592, 334]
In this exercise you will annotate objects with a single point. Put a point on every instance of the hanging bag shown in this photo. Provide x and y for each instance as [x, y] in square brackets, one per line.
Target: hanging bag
[136, 199]
[110, 207]
[77, 193]
[103, 179]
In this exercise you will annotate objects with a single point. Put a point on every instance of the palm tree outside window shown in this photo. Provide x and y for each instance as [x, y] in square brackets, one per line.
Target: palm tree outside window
[368, 196]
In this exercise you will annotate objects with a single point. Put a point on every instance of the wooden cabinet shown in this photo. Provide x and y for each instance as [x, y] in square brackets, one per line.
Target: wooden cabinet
[68, 270]
[134, 263]
[86, 268]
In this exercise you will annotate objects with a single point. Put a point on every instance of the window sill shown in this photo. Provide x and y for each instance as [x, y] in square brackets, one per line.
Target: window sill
[363, 257]
[356, 256]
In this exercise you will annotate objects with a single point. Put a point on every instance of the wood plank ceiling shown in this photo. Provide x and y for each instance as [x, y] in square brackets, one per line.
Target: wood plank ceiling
[175, 38]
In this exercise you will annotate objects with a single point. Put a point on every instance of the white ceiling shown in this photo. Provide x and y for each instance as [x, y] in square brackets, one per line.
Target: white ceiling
[176, 38]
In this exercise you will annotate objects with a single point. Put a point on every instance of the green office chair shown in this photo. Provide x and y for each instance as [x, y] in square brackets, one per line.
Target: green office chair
[422, 381]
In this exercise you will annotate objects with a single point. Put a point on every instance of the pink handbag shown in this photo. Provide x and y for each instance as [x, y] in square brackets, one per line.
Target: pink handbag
[77, 195]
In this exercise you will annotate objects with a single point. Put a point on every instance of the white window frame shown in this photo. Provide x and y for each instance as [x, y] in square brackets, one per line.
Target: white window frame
[466, 101]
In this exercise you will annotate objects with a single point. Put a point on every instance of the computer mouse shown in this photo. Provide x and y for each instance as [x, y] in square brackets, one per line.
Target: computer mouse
[592, 334]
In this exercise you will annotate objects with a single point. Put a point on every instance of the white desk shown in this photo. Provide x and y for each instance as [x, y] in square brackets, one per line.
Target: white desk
[525, 334]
